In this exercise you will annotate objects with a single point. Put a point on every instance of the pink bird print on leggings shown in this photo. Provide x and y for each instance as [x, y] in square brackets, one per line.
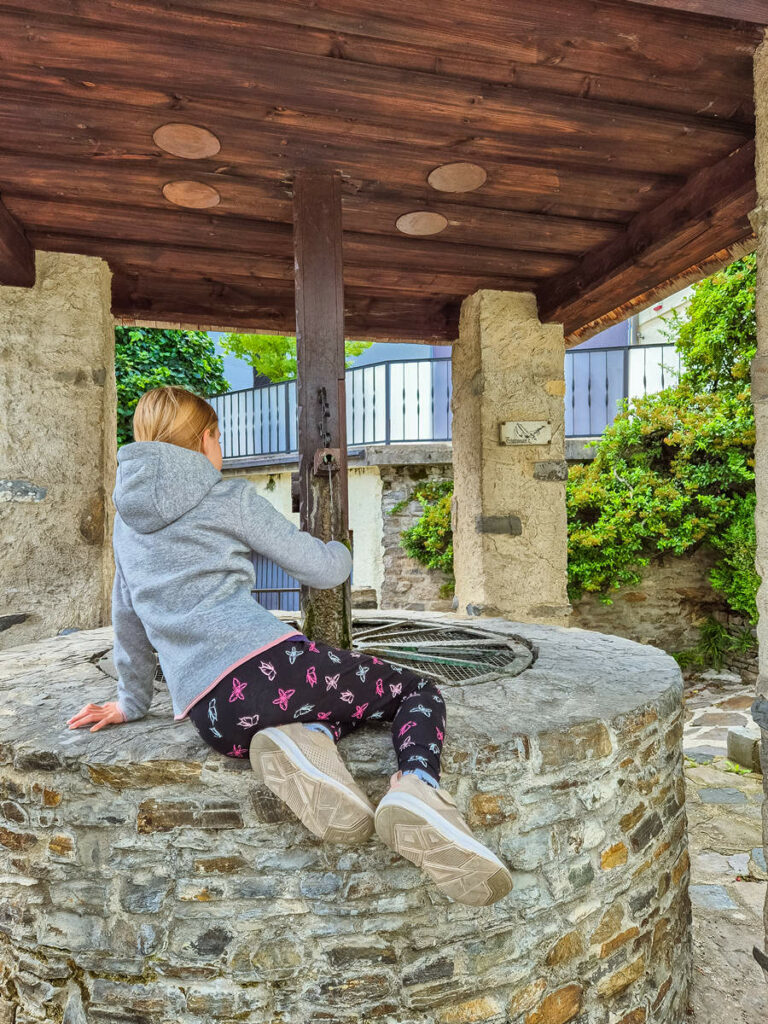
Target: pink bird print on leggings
[237, 751]
[313, 648]
[238, 691]
[379, 687]
[311, 675]
[440, 734]
[283, 697]
[406, 727]
[268, 669]
[360, 711]
[324, 715]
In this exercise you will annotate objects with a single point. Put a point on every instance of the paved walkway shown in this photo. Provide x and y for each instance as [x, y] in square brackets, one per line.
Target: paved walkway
[728, 871]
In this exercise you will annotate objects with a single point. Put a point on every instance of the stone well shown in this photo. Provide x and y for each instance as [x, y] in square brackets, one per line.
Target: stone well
[146, 879]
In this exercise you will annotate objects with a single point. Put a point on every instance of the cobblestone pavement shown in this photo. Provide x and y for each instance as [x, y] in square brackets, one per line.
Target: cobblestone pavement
[728, 870]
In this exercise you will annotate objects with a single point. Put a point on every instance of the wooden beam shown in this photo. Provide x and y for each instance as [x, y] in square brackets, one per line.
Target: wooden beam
[501, 40]
[220, 233]
[17, 257]
[691, 275]
[709, 213]
[357, 98]
[153, 257]
[320, 394]
[258, 307]
[753, 11]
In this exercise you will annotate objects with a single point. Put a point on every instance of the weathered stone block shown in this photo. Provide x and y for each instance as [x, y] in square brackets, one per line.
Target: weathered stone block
[480, 1009]
[578, 743]
[621, 979]
[648, 829]
[567, 948]
[559, 1007]
[146, 775]
[618, 941]
[164, 816]
[613, 857]
[525, 998]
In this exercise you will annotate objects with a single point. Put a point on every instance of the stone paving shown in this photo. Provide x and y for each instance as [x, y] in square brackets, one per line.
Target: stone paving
[728, 870]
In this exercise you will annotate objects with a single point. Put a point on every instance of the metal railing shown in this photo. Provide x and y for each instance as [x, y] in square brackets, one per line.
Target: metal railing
[387, 403]
[410, 400]
[598, 379]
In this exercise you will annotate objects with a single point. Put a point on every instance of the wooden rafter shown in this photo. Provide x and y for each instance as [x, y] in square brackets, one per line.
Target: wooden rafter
[691, 275]
[755, 11]
[657, 246]
[586, 116]
[17, 257]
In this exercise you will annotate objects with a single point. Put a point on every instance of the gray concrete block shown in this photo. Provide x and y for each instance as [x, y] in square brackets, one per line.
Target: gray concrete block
[744, 746]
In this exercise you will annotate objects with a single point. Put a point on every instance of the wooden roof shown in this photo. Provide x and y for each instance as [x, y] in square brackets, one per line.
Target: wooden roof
[617, 139]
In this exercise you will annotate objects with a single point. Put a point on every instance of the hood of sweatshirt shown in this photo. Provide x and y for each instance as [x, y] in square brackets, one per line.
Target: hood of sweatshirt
[158, 482]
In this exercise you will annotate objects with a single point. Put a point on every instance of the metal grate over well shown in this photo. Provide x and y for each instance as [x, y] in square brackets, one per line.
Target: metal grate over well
[458, 654]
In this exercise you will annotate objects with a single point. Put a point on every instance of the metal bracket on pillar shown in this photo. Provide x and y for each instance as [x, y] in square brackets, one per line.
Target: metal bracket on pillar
[327, 460]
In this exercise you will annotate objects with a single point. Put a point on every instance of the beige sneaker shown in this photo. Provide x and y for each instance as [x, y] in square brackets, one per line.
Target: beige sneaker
[303, 768]
[423, 825]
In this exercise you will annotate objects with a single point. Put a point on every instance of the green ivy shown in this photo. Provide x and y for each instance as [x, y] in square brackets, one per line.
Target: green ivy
[151, 358]
[430, 539]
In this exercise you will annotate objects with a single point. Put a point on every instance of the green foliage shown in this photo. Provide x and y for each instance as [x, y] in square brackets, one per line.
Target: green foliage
[274, 355]
[675, 471]
[735, 575]
[669, 475]
[715, 643]
[717, 337]
[150, 358]
[430, 539]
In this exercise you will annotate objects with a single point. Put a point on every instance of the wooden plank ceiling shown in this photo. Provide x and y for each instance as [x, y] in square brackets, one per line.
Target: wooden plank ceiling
[616, 136]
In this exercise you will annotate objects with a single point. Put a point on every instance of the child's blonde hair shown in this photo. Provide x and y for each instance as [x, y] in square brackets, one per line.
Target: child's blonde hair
[174, 415]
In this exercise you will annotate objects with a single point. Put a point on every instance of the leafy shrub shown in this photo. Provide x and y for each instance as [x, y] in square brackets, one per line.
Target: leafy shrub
[669, 475]
[150, 358]
[430, 539]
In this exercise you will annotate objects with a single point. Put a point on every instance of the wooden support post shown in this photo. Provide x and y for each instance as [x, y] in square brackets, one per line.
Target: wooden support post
[320, 394]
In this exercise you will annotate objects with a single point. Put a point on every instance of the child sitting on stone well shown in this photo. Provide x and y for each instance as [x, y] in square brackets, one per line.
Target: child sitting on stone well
[183, 542]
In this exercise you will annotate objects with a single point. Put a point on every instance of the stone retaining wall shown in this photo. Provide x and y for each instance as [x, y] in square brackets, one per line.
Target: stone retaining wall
[145, 879]
[406, 583]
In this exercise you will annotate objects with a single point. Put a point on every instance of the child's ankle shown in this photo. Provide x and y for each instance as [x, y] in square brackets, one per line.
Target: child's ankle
[420, 774]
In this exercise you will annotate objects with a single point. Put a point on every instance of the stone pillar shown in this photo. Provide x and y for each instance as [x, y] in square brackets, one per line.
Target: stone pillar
[509, 522]
[58, 408]
[760, 401]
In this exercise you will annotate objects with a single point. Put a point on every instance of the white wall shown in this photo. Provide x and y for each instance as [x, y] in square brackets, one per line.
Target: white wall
[651, 321]
[365, 517]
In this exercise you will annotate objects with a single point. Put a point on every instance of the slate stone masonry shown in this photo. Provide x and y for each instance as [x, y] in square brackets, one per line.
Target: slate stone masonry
[144, 878]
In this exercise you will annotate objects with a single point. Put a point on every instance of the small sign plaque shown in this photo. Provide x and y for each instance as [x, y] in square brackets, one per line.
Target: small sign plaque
[525, 432]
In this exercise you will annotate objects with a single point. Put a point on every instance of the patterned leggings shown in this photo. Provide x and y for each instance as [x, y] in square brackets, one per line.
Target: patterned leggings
[300, 681]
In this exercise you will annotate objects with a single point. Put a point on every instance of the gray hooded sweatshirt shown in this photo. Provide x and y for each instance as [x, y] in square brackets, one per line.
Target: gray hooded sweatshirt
[183, 541]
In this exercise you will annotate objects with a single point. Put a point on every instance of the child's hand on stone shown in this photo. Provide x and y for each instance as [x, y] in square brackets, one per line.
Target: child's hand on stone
[101, 714]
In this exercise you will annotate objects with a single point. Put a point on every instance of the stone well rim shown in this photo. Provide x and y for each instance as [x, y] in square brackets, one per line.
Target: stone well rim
[578, 677]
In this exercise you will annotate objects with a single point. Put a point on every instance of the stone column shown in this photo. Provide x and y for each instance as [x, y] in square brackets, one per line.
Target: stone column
[510, 533]
[760, 401]
[58, 409]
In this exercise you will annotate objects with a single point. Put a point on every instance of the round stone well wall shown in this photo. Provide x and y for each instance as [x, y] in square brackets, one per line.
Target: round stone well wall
[146, 879]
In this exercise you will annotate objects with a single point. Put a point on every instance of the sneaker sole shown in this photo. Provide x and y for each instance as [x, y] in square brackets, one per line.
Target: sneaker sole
[461, 867]
[322, 804]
